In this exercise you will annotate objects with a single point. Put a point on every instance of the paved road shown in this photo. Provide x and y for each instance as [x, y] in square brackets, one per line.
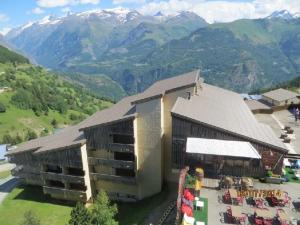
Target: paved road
[6, 166]
[6, 185]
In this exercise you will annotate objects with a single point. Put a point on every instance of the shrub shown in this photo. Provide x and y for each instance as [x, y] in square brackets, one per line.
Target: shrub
[2, 108]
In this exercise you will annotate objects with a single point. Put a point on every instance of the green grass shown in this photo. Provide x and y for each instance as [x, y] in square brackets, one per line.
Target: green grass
[203, 214]
[22, 199]
[4, 174]
[291, 176]
[136, 213]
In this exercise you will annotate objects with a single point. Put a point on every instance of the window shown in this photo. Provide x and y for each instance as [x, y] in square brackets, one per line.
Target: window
[55, 183]
[79, 187]
[53, 169]
[125, 173]
[123, 139]
[124, 156]
[75, 171]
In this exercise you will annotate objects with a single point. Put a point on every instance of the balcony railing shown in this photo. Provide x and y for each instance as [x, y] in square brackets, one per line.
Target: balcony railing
[113, 178]
[112, 163]
[115, 147]
[65, 193]
[63, 177]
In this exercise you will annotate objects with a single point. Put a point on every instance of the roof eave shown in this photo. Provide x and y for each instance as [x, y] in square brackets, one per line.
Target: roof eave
[230, 132]
[108, 123]
[60, 148]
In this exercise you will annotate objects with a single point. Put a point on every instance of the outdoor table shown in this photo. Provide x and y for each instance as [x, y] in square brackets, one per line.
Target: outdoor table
[233, 193]
[199, 204]
[264, 213]
[200, 223]
[236, 211]
[283, 216]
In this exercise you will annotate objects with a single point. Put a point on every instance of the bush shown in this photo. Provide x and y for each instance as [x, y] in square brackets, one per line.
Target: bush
[7, 139]
[269, 173]
[80, 215]
[2, 108]
[31, 135]
[54, 123]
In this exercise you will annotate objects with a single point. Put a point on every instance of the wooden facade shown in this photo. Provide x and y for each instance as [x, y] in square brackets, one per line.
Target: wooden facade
[33, 169]
[183, 128]
[111, 157]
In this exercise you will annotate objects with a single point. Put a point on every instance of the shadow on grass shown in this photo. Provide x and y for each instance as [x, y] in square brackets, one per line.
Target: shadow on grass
[35, 193]
[137, 212]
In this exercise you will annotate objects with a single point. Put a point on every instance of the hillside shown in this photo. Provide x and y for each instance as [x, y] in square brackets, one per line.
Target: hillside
[34, 102]
[132, 50]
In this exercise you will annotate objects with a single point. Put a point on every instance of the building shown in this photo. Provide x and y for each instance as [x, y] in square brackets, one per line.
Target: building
[281, 97]
[257, 107]
[130, 149]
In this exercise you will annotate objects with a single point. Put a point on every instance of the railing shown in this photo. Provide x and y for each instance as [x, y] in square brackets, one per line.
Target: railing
[122, 197]
[65, 193]
[113, 178]
[115, 147]
[63, 177]
[112, 163]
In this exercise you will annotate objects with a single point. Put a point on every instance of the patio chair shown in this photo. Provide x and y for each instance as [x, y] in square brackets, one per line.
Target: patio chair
[268, 221]
[258, 221]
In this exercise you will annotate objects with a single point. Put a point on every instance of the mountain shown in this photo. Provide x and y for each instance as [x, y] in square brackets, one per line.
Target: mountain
[118, 52]
[283, 14]
[83, 42]
[34, 102]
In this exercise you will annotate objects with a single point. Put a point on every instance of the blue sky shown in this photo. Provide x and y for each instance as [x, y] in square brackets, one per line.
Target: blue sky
[18, 12]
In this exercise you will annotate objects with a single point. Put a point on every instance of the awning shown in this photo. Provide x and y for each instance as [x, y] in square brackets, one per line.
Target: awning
[221, 147]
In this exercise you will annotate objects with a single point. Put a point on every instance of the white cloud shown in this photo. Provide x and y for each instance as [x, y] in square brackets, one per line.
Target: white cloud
[61, 3]
[117, 2]
[3, 17]
[37, 10]
[5, 30]
[222, 11]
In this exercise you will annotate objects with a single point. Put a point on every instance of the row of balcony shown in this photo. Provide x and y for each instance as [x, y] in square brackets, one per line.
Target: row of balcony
[126, 148]
[112, 163]
[75, 195]
[113, 178]
[62, 177]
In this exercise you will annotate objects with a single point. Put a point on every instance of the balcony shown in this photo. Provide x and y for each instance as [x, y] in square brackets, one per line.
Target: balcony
[62, 177]
[120, 164]
[113, 178]
[73, 195]
[115, 147]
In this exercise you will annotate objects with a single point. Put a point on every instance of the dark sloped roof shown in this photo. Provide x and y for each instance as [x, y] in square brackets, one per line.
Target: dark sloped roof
[67, 137]
[125, 108]
[227, 111]
[161, 87]
[120, 111]
[255, 105]
[281, 94]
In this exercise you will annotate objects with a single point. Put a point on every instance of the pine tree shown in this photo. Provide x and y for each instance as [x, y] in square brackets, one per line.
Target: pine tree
[80, 215]
[103, 212]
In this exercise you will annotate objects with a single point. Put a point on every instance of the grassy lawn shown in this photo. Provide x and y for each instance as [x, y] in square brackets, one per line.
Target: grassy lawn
[291, 176]
[136, 213]
[4, 174]
[55, 212]
[202, 215]
[22, 199]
